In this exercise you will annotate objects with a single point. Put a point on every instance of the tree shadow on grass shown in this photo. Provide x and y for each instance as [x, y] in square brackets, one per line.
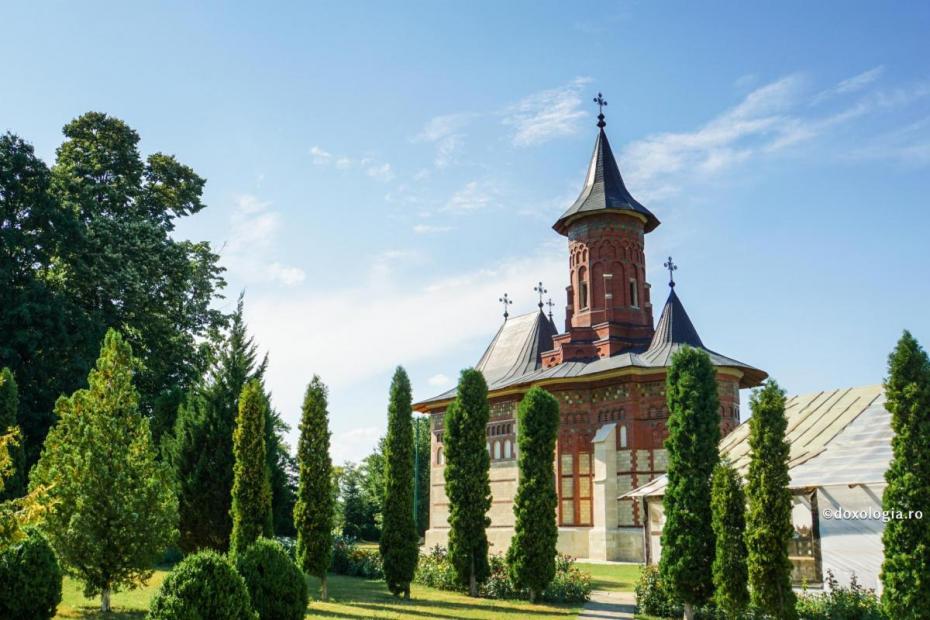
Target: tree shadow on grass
[433, 609]
[94, 612]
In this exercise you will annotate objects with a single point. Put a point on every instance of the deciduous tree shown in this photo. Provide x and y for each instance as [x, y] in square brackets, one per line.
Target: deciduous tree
[15, 483]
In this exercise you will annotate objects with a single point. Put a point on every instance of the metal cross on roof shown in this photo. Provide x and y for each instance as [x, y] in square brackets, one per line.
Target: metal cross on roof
[539, 289]
[506, 301]
[672, 267]
[551, 305]
[601, 103]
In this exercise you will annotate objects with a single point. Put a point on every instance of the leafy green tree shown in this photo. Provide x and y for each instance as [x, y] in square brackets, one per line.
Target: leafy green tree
[15, 484]
[112, 507]
[358, 512]
[422, 437]
[313, 513]
[468, 484]
[531, 556]
[283, 475]
[906, 593]
[251, 491]
[768, 520]
[399, 538]
[694, 431]
[372, 485]
[728, 504]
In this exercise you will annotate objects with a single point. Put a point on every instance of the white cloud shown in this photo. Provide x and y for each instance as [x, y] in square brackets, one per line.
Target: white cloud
[382, 172]
[439, 380]
[379, 170]
[348, 445]
[852, 84]
[549, 114]
[446, 132]
[427, 229]
[250, 248]
[320, 157]
[472, 197]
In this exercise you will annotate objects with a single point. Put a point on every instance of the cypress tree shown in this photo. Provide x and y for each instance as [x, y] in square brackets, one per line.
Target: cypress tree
[423, 478]
[112, 507]
[467, 474]
[768, 521]
[399, 538]
[15, 484]
[313, 512]
[728, 503]
[531, 556]
[694, 431]
[906, 593]
[251, 491]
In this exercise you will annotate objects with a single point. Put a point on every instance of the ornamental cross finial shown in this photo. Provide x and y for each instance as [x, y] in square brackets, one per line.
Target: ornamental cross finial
[506, 301]
[601, 103]
[672, 267]
[550, 304]
[539, 289]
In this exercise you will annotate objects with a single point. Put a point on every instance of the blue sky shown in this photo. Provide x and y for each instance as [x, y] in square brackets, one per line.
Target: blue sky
[379, 173]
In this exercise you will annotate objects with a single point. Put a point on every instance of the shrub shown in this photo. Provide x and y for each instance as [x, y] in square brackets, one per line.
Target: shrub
[654, 597]
[203, 585]
[351, 560]
[277, 588]
[30, 579]
[436, 571]
[840, 603]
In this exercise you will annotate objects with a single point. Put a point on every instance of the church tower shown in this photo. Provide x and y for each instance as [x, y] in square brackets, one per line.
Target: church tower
[608, 309]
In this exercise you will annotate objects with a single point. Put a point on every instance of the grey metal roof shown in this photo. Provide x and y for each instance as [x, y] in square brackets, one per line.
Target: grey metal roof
[513, 357]
[604, 190]
[836, 437]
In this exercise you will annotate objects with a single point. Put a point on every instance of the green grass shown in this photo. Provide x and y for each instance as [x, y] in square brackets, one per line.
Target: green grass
[612, 577]
[350, 597]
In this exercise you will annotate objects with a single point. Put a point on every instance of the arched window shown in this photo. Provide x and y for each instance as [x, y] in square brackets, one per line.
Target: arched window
[634, 293]
[582, 288]
[439, 456]
[508, 449]
[497, 450]
[488, 445]
[623, 435]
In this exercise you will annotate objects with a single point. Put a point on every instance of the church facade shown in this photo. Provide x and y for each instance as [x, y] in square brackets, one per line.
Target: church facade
[607, 370]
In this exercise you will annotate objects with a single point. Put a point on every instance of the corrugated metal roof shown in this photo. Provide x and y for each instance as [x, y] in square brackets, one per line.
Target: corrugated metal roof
[836, 437]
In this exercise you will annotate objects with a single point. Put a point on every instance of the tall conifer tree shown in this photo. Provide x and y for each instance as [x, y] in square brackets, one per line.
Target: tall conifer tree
[314, 510]
[905, 571]
[467, 474]
[768, 521]
[112, 504]
[15, 484]
[694, 431]
[531, 556]
[399, 536]
[728, 503]
[251, 491]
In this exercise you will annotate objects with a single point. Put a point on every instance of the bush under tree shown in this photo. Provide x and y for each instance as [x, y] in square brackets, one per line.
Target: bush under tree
[251, 491]
[30, 580]
[694, 432]
[532, 552]
[203, 585]
[769, 527]
[728, 504]
[906, 570]
[112, 506]
[467, 474]
[314, 510]
[399, 538]
[277, 588]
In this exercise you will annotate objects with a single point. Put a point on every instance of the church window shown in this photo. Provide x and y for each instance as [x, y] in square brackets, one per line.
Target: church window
[634, 293]
[488, 445]
[497, 450]
[508, 449]
[583, 288]
[439, 456]
[623, 435]
[575, 488]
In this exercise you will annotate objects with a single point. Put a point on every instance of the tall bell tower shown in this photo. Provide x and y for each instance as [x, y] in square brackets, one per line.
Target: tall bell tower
[608, 309]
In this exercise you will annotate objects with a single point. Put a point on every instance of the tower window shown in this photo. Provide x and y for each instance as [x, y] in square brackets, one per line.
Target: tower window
[634, 293]
[582, 288]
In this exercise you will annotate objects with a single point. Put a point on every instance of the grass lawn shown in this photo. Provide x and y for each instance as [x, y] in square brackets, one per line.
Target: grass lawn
[612, 577]
[350, 597]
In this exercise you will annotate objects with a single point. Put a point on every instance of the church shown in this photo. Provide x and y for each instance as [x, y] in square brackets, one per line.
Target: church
[607, 369]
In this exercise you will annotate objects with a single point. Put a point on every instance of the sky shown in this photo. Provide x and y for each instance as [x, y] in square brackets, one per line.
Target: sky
[379, 174]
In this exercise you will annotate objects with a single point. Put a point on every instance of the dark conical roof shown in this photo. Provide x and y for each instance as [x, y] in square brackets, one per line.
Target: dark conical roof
[674, 326]
[604, 190]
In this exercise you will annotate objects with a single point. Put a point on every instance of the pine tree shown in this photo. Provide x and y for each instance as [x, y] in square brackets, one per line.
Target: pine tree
[15, 483]
[531, 556]
[251, 491]
[314, 510]
[768, 521]
[422, 436]
[694, 431]
[399, 538]
[112, 504]
[906, 593]
[468, 484]
[728, 503]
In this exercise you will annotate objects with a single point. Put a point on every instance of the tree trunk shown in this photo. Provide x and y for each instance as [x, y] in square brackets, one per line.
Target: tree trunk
[532, 595]
[689, 611]
[407, 592]
[324, 590]
[472, 583]
[105, 600]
